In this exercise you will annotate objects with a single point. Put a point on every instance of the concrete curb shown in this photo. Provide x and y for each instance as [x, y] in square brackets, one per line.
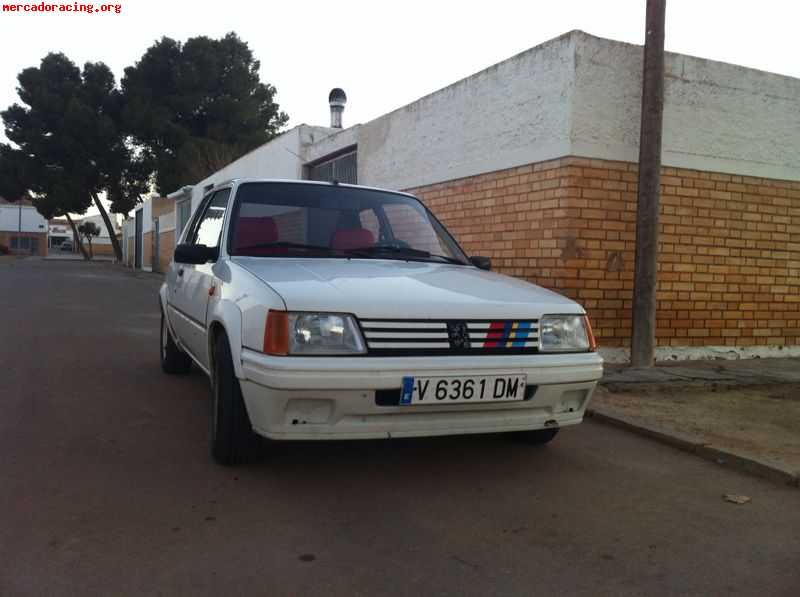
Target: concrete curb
[693, 445]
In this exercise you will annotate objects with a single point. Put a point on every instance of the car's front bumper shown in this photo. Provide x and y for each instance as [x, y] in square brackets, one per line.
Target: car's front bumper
[334, 397]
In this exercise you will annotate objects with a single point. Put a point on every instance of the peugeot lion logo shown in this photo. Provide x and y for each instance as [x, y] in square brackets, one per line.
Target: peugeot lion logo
[458, 334]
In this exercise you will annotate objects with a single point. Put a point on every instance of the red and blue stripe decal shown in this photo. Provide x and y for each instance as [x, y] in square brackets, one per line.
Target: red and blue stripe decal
[507, 334]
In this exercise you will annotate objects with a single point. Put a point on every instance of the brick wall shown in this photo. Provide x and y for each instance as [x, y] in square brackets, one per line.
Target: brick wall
[147, 249]
[41, 242]
[100, 250]
[729, 255]
[161, 206]
[166, 248]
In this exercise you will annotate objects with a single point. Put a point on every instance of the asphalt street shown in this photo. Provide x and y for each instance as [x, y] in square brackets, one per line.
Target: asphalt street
[107, 486]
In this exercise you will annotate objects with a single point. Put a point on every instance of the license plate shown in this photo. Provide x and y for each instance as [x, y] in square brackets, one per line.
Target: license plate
[448, 390]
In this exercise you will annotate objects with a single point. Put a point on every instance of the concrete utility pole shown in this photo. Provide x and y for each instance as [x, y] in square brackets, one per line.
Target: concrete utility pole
[644, 283]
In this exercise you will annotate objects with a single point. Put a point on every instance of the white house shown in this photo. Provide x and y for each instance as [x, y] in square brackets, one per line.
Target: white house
[22, 229]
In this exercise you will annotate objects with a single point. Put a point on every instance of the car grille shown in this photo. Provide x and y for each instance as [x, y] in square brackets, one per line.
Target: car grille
[395, 337]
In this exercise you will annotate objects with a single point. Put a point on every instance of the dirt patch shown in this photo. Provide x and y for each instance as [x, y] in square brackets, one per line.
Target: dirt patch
[758, 421]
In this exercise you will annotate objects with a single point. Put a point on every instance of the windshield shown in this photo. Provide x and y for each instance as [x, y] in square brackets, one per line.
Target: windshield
[304, 220]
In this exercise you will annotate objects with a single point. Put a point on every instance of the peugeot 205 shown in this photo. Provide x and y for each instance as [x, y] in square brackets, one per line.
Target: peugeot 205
[333, 311]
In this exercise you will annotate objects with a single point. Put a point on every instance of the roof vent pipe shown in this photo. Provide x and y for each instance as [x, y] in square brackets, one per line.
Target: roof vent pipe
[337, 99]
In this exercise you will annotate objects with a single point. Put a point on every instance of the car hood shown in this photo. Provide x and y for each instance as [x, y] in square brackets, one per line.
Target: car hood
[402, 289]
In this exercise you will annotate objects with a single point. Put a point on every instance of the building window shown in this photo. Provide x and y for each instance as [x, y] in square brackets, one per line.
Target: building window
[184, 210]
[343, 168]
[24, 244]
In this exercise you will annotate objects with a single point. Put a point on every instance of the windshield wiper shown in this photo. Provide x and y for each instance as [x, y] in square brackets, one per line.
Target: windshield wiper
[408, 252]
[287, 245]
[373, 251]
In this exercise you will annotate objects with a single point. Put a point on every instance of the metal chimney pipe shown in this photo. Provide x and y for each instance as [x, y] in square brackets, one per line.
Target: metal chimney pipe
[337, 99]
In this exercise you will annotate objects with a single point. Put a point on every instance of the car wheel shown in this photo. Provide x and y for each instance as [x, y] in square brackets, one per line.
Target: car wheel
[232, 438]
[173, 360]
[537, 437]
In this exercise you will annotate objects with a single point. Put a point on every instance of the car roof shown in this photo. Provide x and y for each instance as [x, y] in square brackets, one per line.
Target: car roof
[242, 180]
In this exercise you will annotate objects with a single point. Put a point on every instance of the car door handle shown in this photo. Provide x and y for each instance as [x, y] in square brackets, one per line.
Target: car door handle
[180, 273]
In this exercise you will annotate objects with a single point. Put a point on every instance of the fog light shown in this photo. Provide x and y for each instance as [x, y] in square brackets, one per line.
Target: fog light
[303, 411]
[571, 401]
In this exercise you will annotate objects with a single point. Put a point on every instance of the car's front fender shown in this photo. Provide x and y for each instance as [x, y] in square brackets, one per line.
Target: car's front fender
[226, 314]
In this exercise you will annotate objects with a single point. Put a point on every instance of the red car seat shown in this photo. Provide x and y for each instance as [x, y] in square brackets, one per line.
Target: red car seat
[256, 231]
[352, 238]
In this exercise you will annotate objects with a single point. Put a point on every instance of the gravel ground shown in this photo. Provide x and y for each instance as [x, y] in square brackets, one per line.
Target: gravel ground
[758, 421]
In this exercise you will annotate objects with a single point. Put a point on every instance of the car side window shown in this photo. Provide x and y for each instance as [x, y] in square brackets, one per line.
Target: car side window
[209, 226]
[194, 217]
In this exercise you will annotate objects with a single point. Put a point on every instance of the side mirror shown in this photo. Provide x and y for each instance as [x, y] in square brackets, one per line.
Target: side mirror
[481, 262]
[185, 253]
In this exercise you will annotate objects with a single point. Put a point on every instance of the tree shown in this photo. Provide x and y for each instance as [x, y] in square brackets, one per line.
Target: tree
[89, 230]
[202, 98]
[54, 198]
[68, 137]
[24, 175]
[13, 173]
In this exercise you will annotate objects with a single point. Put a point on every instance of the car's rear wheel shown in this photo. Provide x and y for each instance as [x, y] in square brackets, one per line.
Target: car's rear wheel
[537, 437]
[173, 360]
[232, 438]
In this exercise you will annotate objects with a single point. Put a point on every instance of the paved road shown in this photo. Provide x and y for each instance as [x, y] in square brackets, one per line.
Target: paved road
[107, 488]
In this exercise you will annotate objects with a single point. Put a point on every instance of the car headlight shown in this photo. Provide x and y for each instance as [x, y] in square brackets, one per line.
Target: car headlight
[565, 333]
[312, 334]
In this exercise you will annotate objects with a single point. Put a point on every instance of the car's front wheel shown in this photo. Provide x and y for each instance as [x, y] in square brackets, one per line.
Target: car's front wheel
[173, 360]
[232, 438]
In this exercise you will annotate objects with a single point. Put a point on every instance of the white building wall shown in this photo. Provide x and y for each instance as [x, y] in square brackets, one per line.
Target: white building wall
[280, 158]
[330, 141]
[513, 113]
[580, 95]
[103, 238]
[717, 116]
[32, 220]
[574, 95]
[59, 231]
[166, 222]
[127, 228]
[127, 233]
[147, 216]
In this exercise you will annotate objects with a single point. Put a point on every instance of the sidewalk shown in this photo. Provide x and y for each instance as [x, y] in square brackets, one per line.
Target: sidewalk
[742, 413]
[65, 256]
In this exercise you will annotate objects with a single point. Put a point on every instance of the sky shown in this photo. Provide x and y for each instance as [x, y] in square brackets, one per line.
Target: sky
[387, 54]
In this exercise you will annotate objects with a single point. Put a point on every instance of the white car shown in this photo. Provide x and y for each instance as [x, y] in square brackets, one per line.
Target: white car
[332, 311]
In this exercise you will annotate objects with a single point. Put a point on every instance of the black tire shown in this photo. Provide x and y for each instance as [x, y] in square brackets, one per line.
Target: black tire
[173, 360]
[232, 438]
[537, 437]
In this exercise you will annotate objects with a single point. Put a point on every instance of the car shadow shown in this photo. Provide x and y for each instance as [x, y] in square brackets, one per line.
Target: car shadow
[403, 459]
